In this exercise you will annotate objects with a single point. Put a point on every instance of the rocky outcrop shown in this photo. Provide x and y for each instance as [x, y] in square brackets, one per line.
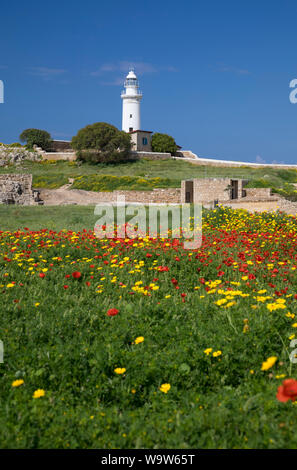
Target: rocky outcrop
[17, 189]
[16, 155]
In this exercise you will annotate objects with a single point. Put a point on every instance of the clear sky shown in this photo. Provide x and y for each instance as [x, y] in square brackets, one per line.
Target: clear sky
[214, 74]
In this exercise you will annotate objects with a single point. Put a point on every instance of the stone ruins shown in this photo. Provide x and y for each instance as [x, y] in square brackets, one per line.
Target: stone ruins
[17, 189]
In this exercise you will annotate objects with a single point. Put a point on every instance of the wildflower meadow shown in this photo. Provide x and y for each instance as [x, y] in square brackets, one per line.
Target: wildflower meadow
[139, 343]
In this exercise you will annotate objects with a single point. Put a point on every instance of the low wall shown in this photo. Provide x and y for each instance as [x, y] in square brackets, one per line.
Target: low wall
[151, 155]
[227, 163]
[162, 196]
[57, 197]
[258, 193]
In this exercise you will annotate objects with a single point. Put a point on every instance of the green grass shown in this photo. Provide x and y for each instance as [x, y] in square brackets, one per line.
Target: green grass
[111, 183]
[171, 172]
[50, 217]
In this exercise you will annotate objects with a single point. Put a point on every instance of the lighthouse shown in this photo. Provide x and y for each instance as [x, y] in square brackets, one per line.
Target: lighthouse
[131, 97]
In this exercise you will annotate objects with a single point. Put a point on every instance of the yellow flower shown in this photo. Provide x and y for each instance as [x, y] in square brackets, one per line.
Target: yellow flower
[207, 351]
[17, 383]
[269, 363]
[120, 370]
[165, 388]
[221, 302]
[38, 393]
[139, 339]
[217, 353]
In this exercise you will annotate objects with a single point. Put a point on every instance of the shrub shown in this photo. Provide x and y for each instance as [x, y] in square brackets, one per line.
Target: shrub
[102, 142]
[15, 144]
[163, 143]
[36, 137]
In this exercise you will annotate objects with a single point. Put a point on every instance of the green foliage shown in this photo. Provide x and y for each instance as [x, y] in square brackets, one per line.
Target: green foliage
[52, 182]
[36, 137]
[102, 142]
[110, 183]
[163, 143]
[15, 144]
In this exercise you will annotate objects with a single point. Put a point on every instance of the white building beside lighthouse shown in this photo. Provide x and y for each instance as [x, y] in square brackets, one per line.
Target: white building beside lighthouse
[131, 97]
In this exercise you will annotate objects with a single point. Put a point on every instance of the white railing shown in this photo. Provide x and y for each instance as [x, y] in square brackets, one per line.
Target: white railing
[138, 93]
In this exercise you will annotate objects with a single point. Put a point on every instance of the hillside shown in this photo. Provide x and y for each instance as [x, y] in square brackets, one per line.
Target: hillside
[147, 174]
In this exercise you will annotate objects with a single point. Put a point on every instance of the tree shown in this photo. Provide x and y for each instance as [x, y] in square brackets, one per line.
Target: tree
[36, 137]
[163, 143]
[102, 142]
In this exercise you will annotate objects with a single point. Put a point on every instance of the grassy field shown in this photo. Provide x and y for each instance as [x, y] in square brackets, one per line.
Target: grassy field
[142, 344]
[145, 174]
[51, 217]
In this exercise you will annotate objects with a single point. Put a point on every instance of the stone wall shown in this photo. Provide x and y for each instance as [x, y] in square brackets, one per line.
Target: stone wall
[151, 155]
[16, 189]
[207, 190]
[186, 155]
[16, 155]
[258, 193]
[162, 196]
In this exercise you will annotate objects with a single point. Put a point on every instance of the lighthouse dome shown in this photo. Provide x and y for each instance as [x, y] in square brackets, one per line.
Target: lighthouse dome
[131, 74]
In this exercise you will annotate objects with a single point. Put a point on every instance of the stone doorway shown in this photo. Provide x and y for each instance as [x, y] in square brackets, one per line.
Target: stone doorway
[234, 189]
[189, 191]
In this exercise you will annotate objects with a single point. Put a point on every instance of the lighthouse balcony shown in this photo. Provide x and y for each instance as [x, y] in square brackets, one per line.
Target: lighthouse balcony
[128, 94]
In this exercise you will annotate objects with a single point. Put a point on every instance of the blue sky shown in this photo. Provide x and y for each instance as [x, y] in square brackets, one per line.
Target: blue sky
[214, 74]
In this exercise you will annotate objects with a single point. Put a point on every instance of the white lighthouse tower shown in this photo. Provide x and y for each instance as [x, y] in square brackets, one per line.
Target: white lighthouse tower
[131, 97]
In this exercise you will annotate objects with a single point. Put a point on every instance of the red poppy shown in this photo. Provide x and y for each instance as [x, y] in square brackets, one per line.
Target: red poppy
[112, 312]
[76, 275]
[174, 281]
[287, 391]
[65, 287]
[42, 275]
